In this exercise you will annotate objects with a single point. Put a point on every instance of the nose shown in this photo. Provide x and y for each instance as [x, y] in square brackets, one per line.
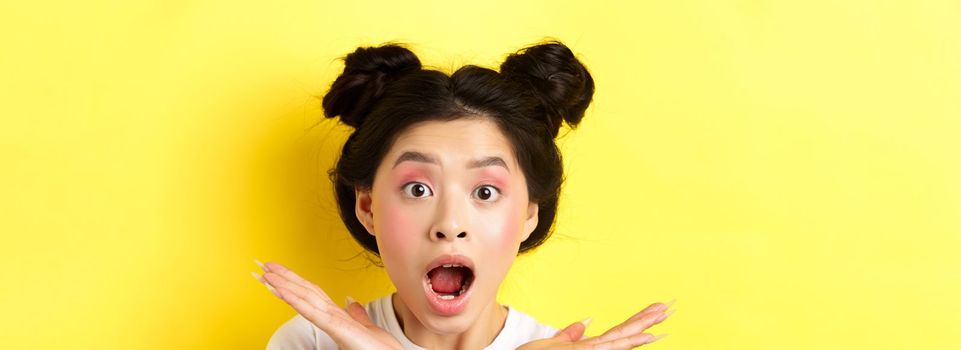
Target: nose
[441, 235]
[451, 220]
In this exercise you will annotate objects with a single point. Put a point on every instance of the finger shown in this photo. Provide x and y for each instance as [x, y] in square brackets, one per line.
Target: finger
[571, 333]
[288, 273]
[651, 308]
[266, 284]
[294, 277]
[262, 266]
[627, 342]
[664, 316]
[358, 313]
[631, 327]
[302, 292]
[317, 316]
[658, 308]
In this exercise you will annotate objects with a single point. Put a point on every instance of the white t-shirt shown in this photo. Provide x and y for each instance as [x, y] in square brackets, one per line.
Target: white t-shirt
[299, 334]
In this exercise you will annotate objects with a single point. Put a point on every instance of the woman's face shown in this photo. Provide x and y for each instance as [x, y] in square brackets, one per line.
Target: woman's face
[448, 190]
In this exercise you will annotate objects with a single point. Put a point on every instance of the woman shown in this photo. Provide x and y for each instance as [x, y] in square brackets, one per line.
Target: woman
[447, 178]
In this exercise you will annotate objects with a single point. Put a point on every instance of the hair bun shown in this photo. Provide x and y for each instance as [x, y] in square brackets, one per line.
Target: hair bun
[367, 71]
[556, 77]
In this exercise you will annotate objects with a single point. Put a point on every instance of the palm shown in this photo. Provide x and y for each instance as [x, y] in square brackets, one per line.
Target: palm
[350, 328]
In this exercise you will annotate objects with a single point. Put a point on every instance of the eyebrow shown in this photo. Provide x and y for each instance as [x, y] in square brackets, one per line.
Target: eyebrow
[427, 158]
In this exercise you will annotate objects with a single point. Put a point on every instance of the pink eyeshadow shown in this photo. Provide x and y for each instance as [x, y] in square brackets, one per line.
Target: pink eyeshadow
[408, 175]
[493, 178]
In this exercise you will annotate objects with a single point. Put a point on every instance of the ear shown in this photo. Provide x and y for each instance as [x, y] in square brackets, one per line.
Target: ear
[363, 210]
[531, 223]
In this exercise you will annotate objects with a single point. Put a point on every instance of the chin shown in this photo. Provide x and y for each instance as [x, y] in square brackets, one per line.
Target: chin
[443, 322]
[449, 295]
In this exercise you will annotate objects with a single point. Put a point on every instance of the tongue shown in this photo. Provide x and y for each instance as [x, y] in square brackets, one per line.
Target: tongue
[447, 279]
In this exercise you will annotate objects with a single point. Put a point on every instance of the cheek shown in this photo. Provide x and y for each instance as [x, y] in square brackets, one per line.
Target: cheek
[502, 239]
[396, 228]
[506, 228]
[512, 231]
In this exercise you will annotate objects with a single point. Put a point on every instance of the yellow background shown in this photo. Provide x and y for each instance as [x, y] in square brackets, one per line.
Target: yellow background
[789, 171]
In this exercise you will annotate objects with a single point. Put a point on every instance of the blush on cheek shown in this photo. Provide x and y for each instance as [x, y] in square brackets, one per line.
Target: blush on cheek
[397, 228]
[511, 229]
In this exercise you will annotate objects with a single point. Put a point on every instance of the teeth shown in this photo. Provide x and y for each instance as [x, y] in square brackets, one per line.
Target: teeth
[447, 297]
[452, 265]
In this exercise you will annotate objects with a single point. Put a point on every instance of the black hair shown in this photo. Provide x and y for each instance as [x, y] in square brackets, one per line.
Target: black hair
[384, 90]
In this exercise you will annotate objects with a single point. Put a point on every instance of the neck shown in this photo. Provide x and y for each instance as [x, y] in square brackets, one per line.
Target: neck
[479, 335]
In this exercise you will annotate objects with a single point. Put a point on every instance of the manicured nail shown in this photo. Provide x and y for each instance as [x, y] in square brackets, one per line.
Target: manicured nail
[257, 276]
[587, 322]
[665, 315]
[266, 284]
[659, 337]
[668, 305]
[349, 301]
[261, 265]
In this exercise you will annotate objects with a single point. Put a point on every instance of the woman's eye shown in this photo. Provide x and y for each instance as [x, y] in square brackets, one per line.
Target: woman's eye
[487, 193]
[417, 190]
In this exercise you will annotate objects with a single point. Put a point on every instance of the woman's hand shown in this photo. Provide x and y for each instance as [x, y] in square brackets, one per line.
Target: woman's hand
[626, 335]
[350, 328]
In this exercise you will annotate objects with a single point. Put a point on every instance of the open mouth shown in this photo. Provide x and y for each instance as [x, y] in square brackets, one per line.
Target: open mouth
[447, 283]
[450, 280]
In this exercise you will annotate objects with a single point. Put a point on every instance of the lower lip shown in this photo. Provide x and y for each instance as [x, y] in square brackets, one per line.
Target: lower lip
[447, 307]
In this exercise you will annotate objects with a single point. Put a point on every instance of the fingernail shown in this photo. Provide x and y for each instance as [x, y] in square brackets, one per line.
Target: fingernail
[665, 315]
[349, 301]
[587, 322]
[261, 265]
[659, 337]
[668, 305]
[266, 284]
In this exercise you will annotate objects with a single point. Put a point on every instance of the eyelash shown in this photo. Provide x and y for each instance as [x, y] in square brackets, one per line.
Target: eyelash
[404, 189]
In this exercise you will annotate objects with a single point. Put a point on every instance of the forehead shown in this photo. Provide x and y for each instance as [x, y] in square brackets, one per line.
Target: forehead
[454, 141]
